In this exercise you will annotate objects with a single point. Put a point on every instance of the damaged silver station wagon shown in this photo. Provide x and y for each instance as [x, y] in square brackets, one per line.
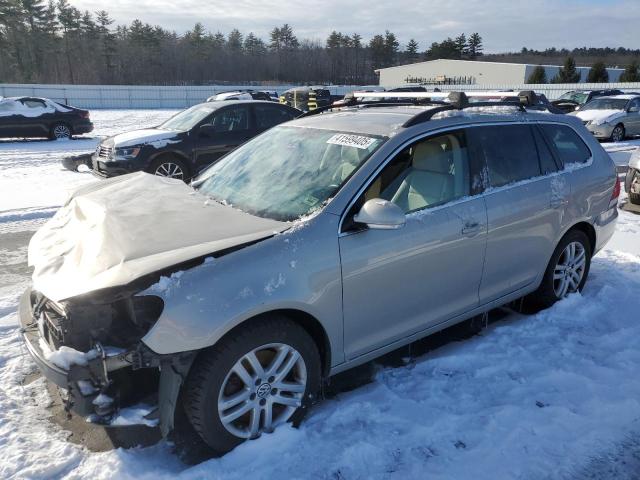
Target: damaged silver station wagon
[318, 245]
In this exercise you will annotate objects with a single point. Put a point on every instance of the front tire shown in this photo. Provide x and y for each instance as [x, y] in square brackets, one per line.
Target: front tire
[171, 167]
[567, 270]
[618, 133]
[259, 377]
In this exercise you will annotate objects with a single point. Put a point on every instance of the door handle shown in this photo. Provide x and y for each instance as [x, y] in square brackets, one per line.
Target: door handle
[471, 228]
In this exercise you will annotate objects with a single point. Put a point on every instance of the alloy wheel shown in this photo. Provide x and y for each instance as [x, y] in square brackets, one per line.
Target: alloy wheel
[61, 131]
[618, 134]
[569, 270]
[262, 390]
[171, 170]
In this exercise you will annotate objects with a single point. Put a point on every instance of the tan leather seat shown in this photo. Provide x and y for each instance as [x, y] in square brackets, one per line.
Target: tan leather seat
[428, 181]
[350, 161]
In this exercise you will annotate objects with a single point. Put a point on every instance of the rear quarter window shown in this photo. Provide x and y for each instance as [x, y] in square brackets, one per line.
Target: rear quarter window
[570, 147]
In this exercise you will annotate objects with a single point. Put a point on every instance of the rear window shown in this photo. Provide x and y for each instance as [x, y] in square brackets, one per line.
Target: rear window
[570, 147]
[509, 151]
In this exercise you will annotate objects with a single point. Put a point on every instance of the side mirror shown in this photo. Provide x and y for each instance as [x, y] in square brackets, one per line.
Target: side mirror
[379, 214]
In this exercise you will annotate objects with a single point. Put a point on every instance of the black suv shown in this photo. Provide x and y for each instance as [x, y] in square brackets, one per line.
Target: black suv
[189, 141]
[40, 117]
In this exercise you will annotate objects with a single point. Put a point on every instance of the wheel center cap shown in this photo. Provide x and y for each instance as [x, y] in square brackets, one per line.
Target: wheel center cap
[263, 390]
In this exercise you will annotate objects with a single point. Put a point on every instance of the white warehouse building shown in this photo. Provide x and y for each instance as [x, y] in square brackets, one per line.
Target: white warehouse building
[472, 72]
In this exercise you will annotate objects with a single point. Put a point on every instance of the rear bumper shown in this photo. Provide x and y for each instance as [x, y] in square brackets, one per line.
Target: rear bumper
[605, 226]
[82, 126]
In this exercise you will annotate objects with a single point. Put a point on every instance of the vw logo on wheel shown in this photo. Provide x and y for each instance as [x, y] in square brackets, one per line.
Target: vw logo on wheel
[263, 390]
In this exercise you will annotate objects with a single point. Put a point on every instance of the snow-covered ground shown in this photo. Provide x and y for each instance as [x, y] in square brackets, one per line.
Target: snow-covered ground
[552, 395]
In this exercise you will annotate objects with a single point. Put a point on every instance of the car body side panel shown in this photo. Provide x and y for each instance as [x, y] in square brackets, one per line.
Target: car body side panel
[299, 270]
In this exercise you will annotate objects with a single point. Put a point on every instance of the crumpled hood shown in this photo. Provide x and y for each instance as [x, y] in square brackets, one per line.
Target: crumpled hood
[153, 136]
[599, 115]
[115, 231]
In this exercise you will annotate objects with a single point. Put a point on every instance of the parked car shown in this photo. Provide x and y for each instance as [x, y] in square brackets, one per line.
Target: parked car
[242, 95]
[632, 180]
[306, 98]
[189, 141]
[611, 118]
[570, 101]
[32, 117]
[315, 247]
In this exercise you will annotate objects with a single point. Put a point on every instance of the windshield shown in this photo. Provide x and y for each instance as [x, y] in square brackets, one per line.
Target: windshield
[187, 119]
[606, 104]
[287, 172]
[578, 97]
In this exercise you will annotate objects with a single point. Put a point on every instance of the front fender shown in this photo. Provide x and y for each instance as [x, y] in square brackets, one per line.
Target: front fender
[298, 270]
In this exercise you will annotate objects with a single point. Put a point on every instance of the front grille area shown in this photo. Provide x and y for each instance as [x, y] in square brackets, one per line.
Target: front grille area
[104, 152]
[51, 321]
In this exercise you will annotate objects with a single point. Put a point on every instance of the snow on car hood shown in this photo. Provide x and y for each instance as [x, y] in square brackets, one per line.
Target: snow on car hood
[154, 136]
[599, 115]
[115, 231]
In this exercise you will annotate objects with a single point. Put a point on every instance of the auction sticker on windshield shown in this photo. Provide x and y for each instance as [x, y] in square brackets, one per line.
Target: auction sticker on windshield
[348, 140]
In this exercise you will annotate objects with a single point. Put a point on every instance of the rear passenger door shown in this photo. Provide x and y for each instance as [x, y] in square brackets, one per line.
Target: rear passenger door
[525, 202]
[268, 115]
[632, 121]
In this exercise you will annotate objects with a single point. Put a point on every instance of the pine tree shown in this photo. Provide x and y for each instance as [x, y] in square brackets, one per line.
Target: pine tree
[412, 50]
[631, 73]
[598, 73]
[474, 46]
[568, 72]
[391, 46]
[538, 75]
[461, 45]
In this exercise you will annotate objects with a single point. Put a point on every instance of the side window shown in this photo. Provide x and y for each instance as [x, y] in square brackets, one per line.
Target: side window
[34, 103]
[547, 162]
[268, 116]
[231, 119]
[568, 144]
[510, 153]
[429, 173]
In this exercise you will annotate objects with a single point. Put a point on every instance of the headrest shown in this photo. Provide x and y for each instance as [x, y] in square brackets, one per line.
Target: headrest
[350, 154]
[430, 156]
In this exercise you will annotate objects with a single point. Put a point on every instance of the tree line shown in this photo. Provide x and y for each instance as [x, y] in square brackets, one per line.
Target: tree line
[598, 73]
[51, 41]
[55, 42]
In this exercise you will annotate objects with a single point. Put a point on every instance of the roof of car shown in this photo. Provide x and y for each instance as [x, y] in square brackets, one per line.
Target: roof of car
[388, 120]
[626, 96]
[222, 103]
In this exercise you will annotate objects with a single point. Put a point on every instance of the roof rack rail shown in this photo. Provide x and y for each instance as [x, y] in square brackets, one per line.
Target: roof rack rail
[443, 101]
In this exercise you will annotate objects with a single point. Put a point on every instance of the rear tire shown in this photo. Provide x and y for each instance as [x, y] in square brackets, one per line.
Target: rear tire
[562, 268]
[60, 131]
[226, 407]
[170, 167]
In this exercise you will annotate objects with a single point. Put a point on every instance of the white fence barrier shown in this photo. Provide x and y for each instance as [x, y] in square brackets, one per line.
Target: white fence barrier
[551, 90]
[129, 96]
[126, 96]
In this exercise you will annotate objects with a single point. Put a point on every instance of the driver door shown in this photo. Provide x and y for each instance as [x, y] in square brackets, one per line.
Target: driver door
[397, 283]
[223, 131]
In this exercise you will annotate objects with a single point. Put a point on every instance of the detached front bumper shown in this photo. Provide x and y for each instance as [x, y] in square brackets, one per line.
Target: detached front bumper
[83, 383]
[108, 380]
[111, 168]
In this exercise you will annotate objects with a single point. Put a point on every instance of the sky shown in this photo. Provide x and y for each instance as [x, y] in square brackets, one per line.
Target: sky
[505, 25]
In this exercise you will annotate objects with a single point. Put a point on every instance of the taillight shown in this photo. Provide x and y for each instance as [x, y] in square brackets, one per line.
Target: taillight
[616, 193]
